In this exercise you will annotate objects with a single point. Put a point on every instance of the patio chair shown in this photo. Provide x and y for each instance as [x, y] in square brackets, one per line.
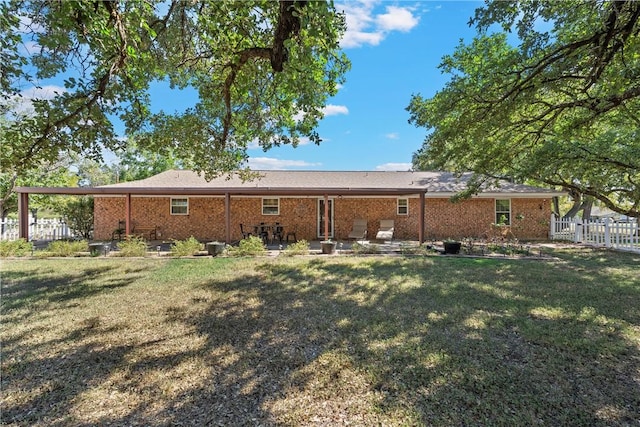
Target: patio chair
[359, 230]
[263, 232]
[277, 233]
[245, 234]
[120, 231]
[291, 233]
[385, 232]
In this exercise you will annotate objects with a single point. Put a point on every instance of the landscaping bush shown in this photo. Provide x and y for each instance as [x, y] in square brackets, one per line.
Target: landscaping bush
[132, 246]
[65, 248]
[301, 247]
[251, 246]
[18, 247]
[188, 247]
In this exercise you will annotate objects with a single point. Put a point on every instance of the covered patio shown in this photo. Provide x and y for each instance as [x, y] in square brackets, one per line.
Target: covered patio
[228, 193]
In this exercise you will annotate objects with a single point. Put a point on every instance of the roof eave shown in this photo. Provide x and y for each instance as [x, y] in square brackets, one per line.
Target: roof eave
[216, 191]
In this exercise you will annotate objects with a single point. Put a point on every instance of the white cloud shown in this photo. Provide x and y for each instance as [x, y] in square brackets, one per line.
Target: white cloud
[30, 48]
[253, 145]
[334, 110]
[366, 27]
[43, 92]
[270, 163]
[397, 18]
[392, 135]
[360, 38]
[394, 167]
[22, 104]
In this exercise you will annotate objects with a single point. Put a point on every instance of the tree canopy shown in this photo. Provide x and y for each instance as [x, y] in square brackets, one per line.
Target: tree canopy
[263, 71]
[558, 107]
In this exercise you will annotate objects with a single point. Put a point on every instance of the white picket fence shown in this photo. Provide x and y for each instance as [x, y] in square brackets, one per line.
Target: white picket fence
[599, 232]
[42, 229]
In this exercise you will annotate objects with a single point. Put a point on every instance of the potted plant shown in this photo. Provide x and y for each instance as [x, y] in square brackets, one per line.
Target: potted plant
[328, 246]
[452, 246]
[215, 248]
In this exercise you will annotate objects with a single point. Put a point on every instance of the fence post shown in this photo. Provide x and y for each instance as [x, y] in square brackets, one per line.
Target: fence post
[578, 234]
[607, 232]
[552, 227]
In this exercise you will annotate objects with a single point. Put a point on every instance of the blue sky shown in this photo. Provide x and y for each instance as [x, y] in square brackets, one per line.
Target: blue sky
[395, 48]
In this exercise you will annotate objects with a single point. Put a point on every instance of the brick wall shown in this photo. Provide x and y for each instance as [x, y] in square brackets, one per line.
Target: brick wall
[206, 217]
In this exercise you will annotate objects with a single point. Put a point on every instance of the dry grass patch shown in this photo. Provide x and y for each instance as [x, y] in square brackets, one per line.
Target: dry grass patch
[331, 341]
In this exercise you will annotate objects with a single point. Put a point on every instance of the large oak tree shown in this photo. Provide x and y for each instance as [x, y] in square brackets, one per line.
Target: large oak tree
[558, 107]
[263, 71]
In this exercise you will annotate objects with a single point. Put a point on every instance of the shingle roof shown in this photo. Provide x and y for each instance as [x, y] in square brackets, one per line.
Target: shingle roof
[435, 183]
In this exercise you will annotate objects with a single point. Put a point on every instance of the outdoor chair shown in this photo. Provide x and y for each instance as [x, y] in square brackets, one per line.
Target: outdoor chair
[263, 232]
[119, 232]
[245, 234]
[359, 230]
[385, 232]
[278, 233]
[291, 233]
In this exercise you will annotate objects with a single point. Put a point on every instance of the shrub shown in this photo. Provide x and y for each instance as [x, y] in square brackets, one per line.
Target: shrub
[18, 247]
[251, 246]
[186, 247]
[301, 247]
[65, 248]
[132, 246]
[78, 214]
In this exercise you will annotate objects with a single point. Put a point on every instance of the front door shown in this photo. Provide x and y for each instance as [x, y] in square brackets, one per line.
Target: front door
[321, 218]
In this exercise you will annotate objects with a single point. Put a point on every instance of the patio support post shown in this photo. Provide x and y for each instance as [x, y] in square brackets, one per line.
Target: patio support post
[227, 217]
[421, 229]
[326, 217]
[127, 214]
[23, 215]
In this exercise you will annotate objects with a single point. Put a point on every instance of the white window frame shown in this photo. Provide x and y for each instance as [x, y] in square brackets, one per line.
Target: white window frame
[400, 208]
[498, 213]
[269, 207]
[176, 202]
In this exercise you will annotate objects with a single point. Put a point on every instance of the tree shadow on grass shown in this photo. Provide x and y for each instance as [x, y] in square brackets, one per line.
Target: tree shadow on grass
[23, 288]
[402, 341]
[453, 347]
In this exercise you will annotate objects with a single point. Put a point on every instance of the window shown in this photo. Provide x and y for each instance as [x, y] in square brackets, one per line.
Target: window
[503, 211]
[403, 206]
[270, 206]
[179, 206]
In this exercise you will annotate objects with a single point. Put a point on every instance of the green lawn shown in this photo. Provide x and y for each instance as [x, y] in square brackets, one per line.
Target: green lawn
[322, 341]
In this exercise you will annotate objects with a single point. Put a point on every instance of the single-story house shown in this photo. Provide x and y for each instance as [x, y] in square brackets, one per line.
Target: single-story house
[177, 204]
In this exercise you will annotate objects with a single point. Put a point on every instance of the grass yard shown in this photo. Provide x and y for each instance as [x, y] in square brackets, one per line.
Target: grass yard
[322, 341]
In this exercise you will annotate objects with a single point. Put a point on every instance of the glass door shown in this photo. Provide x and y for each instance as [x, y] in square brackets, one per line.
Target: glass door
[321, 218]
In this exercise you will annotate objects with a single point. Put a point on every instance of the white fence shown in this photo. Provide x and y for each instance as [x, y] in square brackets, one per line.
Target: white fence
[42, 229]
[602, 232]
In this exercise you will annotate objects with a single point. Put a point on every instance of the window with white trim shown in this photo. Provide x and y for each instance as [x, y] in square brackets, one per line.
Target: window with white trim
[403, 206]
[270, 206]
[503, 211]
[179, 206]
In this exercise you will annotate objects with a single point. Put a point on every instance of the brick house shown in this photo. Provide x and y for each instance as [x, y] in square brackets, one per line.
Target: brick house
[178, 204]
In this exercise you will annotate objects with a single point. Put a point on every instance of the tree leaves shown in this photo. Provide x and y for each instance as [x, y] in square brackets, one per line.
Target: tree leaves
[562, 108]
[254, 64]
